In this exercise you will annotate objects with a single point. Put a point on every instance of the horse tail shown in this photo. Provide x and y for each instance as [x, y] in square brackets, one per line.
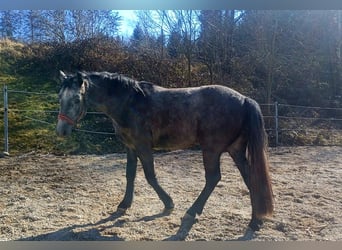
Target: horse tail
[259, 179]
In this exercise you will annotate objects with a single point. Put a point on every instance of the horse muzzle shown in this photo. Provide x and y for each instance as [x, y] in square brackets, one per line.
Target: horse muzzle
[64, 125]
[63, 129]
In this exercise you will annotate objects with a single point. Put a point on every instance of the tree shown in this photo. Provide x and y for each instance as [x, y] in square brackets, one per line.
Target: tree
[7, 24]
[174, 24]
[152, 25]
[98, 22]
[174, 44]
[138, 37]
[53, 25]
[259, 33]
[216, 42]
[33, 26]
[209, 48]
[189, 30]
[64, 26]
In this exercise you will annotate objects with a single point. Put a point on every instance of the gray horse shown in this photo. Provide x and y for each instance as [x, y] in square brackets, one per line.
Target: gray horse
[148, 117]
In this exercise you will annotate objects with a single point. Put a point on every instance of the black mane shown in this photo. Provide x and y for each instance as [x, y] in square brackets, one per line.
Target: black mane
[117, 83]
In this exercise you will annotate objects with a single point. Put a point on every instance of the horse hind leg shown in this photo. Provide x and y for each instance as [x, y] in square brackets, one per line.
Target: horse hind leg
[212, 177]
[238, 153]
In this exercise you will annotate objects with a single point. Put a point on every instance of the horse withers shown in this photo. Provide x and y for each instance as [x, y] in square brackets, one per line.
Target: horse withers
[148, 117]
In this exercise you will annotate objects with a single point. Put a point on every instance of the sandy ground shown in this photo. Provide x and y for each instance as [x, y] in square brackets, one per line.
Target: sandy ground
[47, 197]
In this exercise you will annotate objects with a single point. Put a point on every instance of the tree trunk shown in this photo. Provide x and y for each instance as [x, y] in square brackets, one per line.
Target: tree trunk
[270, 70]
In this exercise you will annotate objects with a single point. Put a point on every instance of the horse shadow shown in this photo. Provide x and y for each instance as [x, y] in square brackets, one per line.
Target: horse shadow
[75, 232]
[93, 231]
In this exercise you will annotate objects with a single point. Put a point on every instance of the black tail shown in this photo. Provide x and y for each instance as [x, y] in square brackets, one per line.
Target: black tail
[260, 183]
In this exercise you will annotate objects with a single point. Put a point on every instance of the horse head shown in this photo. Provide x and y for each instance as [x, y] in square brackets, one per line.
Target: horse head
[72, 100]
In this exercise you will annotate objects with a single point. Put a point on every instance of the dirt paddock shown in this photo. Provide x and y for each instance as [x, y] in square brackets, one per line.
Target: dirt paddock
[47, 197]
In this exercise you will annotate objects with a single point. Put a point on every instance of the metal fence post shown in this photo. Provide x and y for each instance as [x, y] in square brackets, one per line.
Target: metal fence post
[6, 119]
[276, 124]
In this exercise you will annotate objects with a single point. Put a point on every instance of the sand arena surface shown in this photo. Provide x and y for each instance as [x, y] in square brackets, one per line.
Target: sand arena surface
[47, 197]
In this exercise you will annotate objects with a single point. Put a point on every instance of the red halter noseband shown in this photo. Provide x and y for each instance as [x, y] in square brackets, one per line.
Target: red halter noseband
[66, 118]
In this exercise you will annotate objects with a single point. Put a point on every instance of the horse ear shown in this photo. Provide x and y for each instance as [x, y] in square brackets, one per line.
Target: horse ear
[62, 76]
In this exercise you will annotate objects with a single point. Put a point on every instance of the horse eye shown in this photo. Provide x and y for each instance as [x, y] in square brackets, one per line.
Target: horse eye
[77, 100]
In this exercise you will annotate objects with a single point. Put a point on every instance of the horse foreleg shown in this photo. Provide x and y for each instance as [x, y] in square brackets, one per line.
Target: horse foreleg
[131, 170]
[146, 158]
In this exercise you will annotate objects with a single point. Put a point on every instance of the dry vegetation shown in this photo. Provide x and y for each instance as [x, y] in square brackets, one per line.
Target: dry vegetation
[44, 197]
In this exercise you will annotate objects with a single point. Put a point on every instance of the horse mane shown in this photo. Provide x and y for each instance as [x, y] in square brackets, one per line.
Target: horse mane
[118, 83]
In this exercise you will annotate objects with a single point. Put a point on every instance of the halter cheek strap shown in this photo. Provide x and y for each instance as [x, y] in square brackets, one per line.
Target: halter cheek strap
[66, 118]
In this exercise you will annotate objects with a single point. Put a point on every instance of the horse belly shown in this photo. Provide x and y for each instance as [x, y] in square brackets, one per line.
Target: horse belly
[177, 137]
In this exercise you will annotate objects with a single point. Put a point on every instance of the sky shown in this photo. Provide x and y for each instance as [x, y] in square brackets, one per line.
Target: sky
[128, 23]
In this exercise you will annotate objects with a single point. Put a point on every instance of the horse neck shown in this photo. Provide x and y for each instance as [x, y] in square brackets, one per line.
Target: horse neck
[96, 98]
[114, 106]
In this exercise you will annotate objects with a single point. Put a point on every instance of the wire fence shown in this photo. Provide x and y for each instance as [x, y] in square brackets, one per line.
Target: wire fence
[303, 125]
[285, 124]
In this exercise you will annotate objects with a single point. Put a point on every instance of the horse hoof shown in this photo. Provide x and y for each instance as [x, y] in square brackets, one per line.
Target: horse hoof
[186, 224]
[249, 235]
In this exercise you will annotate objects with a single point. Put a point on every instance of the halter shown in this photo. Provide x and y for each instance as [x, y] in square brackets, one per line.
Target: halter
[70, 121]
[66, 118]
